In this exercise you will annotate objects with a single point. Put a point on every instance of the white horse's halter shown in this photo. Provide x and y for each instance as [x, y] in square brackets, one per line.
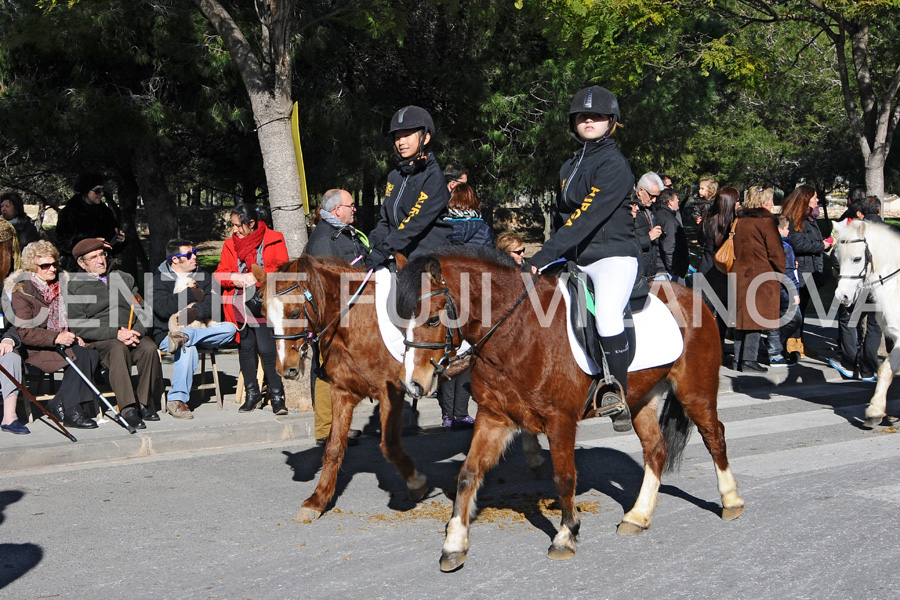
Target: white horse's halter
[863, 275]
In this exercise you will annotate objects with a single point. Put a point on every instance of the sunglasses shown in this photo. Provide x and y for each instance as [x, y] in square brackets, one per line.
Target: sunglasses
[520, 251]
[98, 189]
[190, 254]
[46, 266]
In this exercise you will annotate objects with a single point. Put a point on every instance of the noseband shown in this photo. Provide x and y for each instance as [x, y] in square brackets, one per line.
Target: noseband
[448, 346]
[867, 267]
[307, 334]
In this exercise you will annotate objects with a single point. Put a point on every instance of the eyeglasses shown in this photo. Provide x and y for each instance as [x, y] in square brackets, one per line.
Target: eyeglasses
[520, 251]
[95, 256]
[192, 253]
[353, 206]
[98, 189]
[46, 266]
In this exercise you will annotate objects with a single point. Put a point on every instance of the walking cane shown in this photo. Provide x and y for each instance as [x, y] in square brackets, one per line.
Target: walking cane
[29, 395]
[116, 416]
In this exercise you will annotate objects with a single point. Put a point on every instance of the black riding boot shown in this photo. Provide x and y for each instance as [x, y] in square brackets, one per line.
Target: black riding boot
[252, 398]
[618, 355]
[277, 397]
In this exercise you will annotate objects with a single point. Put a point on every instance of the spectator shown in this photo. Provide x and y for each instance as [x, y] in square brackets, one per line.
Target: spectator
[251, 243]
[179, 288]
[454, 174]
[802, 208]
[856, 196]
[667, 181]
[416, 197]
[714, 230]
[85, 216]
[334, 235]
[646, 228]
[702, 202]
[12, 208]
[513, 245]
[673, 247]
[758, 253]
[106, 317]
[464, 214]
[9, 393]
[789, 301]
[39, 316]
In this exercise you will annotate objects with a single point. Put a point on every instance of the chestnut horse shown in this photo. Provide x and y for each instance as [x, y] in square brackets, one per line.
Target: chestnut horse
[304, 300]
[525, 377]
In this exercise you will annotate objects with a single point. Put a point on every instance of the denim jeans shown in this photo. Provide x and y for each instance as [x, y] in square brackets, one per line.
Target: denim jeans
[187, 358]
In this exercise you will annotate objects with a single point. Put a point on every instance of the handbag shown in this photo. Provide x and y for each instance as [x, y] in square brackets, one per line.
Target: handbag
[254, 304]
[724, 257]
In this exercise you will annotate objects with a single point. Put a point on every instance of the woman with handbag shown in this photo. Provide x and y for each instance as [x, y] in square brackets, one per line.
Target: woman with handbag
[251, 243]
[714, 230]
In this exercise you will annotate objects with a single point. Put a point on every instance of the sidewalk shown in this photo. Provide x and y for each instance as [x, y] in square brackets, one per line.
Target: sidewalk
[212, 428]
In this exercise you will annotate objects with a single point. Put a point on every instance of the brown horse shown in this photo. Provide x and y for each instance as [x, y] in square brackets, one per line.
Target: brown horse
[524, 377]
[303, 300]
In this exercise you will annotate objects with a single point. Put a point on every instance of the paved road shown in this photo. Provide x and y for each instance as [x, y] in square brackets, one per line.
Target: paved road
[822, 517]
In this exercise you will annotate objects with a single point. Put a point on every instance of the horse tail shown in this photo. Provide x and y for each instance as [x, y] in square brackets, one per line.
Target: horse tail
[676, 430]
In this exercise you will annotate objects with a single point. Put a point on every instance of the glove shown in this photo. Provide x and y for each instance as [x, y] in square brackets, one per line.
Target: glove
[376, 258]
[197, 292]
[188, 315]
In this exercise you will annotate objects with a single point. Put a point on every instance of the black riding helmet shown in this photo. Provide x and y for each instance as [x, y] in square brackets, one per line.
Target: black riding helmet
[412, 117]
[594, 99]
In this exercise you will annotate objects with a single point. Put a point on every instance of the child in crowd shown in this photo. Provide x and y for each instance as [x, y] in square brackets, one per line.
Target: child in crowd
[790, 300]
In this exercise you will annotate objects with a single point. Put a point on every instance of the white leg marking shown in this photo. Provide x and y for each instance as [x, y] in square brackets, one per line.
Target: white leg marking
[457, 539]
[416, 481]
[641, 513]
[728, 489]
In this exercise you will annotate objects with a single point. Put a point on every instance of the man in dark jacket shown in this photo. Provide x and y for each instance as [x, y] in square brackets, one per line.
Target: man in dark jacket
[646, 228]
[85, 216]
[673, 247]
[105, 310]
[335, 235]
[180, 290]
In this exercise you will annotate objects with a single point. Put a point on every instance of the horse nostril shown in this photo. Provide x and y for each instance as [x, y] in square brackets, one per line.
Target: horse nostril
[415, 389]
[290, 373]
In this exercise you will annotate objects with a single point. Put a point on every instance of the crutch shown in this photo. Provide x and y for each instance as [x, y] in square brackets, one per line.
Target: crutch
[29, 395]
[116, 416]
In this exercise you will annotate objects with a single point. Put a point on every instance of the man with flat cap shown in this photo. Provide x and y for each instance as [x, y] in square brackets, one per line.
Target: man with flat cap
[105, 310]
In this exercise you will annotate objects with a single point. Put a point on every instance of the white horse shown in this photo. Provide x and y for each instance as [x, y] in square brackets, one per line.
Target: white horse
[868, 255]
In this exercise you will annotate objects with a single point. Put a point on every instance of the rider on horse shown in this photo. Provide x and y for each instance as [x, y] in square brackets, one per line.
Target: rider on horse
[592, 224]
[416, 197]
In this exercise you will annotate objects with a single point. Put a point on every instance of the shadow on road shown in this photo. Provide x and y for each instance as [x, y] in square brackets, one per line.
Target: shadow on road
[15, 559]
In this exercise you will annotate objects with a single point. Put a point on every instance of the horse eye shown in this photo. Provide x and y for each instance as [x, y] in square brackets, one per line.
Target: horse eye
[433, 321]
[856, 259]
[296, 314]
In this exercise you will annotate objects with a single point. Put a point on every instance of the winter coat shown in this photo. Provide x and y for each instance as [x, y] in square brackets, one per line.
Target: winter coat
[592, 217]
[809, 247]
[30, 322]
[644, 221]
[757, 251]
[97, 310]
[790, 270]
[673, 246]
[26, 232]
[472, 231]
[415, 202]
[328, 240]
[274, 255]
[79, 220]
[167, 303]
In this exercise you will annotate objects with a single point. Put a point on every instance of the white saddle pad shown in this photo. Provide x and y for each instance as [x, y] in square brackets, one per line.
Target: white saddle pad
[657, 337]
[391, 334]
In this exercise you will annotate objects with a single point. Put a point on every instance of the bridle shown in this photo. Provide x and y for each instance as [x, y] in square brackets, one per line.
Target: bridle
[448, 345]
[867, 267]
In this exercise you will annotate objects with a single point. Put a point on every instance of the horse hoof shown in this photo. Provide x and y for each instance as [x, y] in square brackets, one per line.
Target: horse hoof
[730, 514]
[872, 422]
[452, 561]
[307, 515]
[418, 493]
[560, 553]
[627, 528]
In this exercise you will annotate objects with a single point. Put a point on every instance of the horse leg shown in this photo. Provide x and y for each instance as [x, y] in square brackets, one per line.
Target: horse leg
[392, 446]
[875, 412]
[561, 435]
[342, 404]
[532, 450]
[647, 429]
[700, 407]
[490, 438]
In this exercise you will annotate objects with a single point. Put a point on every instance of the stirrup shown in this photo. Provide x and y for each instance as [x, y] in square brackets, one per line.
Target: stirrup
[612, 404]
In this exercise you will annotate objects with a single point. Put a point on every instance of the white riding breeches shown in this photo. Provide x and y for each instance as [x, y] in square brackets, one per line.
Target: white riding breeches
[613, 280]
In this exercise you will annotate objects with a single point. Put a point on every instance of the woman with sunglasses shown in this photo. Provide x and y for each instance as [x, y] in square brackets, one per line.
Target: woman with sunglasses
[251, 243]
[38, 313]
[85, 216]
[513, 245]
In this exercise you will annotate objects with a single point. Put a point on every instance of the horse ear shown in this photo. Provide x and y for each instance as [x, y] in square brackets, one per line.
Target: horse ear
[259, 273]
[401, 260]
[433, 268]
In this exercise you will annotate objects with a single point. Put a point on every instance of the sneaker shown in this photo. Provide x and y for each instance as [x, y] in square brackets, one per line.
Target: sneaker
[840, 368]
[447, 421]
[465, 422]
[15, 427]
[179, 410]
[870, 379]
[778, 361]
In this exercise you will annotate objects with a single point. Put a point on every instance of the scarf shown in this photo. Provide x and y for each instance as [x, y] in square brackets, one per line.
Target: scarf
[56, 319]
[335, 222]
[246, 247]
[813, 214]
[463, 214]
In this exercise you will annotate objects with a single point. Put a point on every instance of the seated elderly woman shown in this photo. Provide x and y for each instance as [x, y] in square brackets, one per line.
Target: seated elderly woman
[9, 394]
[39, 316]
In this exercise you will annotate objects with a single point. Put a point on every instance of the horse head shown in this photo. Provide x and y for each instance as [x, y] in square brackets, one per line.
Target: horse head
[431, 331]
[854, 259]
[290, 308]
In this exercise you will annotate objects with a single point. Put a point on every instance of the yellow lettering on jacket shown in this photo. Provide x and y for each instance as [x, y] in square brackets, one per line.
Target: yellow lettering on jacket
[584, 206]
[390, 188]
[415, 209]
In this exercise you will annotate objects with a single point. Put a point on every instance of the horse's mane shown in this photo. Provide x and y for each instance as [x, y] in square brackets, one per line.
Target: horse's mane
[323, 261]
[410, 278]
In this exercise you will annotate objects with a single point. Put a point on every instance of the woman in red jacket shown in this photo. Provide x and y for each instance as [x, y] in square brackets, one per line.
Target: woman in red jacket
[251, 243]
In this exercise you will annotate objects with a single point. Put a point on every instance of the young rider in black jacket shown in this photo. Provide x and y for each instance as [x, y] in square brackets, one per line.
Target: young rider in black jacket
[593, 226]
[416, 197]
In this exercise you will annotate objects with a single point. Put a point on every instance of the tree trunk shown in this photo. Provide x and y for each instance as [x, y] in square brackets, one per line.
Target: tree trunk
[159, 203]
